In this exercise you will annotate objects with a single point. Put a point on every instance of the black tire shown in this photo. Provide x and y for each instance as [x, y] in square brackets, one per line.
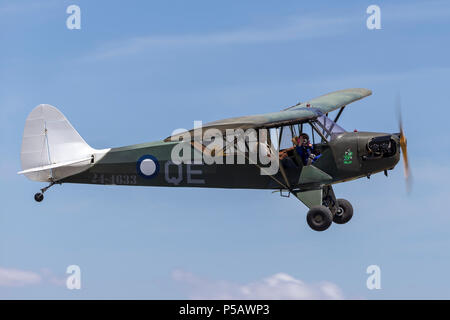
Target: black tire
[344, 212]
[39, 197]
[319, 218]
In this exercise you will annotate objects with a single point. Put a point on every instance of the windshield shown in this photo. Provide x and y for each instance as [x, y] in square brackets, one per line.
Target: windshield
[328, 127]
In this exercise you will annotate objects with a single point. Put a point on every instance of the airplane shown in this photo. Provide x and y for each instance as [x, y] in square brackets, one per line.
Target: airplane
[54, 152]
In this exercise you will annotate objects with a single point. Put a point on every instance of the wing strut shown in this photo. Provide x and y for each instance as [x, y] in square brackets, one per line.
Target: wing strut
[339, 114]
[283, 173]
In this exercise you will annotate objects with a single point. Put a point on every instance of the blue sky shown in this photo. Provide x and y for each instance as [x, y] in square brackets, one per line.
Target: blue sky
[137, 71]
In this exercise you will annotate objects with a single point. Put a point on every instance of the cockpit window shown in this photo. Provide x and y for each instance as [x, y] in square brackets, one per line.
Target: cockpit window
[328, 127]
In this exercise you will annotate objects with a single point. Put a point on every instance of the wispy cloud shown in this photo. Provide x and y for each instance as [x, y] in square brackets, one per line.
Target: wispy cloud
[275, 287]
[18, 278]
[416, 11]
[14, 7]
[10, 277]
[288, 29]
[339, 80]
[293, 28]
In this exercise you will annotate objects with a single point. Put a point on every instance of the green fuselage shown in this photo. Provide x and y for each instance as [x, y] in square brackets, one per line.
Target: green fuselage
[344, 158]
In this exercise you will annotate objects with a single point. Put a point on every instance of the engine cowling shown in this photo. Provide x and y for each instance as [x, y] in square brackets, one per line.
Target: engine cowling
[382, 146]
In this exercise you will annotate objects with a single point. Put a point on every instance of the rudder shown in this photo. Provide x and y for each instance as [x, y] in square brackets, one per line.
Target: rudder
[51, 148]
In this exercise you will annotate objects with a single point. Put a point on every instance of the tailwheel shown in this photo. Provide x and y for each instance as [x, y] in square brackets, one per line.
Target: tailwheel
[39, 196]
[344, 211]
[319, 218]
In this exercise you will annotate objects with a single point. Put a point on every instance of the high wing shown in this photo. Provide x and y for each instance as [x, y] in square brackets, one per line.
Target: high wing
[265, 120]
[301, 112]
[334, 100]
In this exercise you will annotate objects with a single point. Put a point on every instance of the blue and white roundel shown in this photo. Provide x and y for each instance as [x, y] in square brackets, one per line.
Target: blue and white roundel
[147, 166]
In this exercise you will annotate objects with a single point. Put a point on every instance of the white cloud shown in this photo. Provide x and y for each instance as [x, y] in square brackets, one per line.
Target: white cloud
[50, 277]
[275, 287]
[18, 278]
[10, 277]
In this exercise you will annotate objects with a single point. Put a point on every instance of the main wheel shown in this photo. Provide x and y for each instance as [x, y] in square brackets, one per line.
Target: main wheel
[319, 218]
[344, 212]
[39, 197]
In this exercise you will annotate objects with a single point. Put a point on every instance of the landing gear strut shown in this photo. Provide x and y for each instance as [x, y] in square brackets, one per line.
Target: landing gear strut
[40, 195]
[341, 209]
[324, 208]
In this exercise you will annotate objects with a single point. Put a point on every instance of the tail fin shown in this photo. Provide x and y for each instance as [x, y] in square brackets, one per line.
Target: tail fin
[51, 148]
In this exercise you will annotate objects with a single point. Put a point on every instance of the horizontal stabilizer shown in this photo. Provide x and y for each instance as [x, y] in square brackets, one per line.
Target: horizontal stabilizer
[56, 165]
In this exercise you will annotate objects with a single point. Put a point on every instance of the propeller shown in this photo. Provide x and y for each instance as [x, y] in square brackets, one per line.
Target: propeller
[403, 147]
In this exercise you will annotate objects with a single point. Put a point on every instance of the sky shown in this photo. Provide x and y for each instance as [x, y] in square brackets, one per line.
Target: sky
[136, 71]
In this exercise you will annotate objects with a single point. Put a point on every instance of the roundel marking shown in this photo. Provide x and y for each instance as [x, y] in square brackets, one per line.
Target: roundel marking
[147, 166]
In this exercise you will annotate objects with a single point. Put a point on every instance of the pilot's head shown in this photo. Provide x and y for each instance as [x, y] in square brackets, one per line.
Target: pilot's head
[304, 140]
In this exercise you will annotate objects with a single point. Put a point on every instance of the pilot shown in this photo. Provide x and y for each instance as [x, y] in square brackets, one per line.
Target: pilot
[284, 153]
[305, 150]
